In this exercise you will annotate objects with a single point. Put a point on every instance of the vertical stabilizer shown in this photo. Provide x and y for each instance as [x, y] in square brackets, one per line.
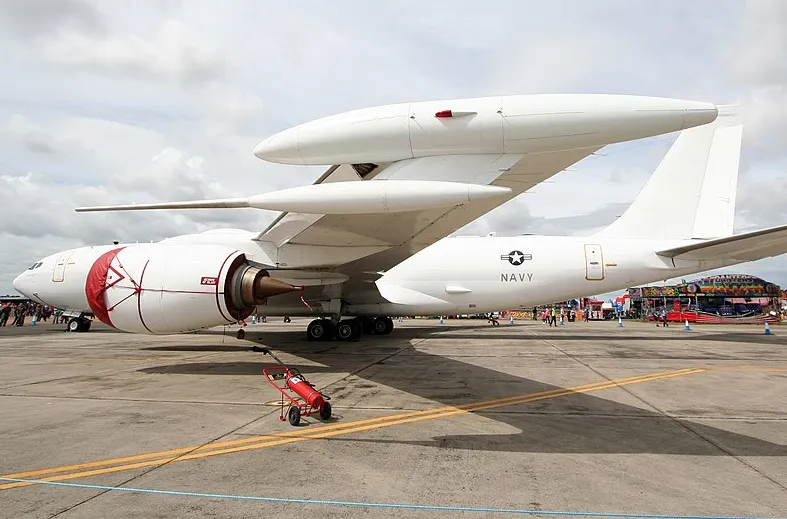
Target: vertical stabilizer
[692, 192]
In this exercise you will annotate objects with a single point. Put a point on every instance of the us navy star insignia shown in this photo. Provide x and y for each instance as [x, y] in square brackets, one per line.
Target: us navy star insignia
[515, 257]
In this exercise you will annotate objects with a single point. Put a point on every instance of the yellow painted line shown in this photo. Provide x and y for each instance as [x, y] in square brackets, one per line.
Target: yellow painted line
[309, 431]
[327, 431]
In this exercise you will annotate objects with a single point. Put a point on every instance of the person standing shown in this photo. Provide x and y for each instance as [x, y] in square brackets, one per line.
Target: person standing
[5, 311]
[19, 315]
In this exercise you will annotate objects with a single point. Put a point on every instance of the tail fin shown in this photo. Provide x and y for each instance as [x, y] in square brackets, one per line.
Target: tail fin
[692, 192]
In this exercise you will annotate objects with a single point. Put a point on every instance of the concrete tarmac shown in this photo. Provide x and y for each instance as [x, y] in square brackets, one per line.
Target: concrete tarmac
[583, 418]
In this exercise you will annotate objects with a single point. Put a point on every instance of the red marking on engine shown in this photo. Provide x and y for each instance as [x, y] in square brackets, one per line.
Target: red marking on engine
[96, 285]
[209, 281]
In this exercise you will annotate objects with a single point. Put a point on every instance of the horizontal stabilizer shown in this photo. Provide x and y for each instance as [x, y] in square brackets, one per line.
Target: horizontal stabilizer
[353, 197]
[744, 247]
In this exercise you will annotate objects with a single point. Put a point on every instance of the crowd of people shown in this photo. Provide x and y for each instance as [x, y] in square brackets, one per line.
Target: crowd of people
[557, 315]
[17, 313]
[553, 315]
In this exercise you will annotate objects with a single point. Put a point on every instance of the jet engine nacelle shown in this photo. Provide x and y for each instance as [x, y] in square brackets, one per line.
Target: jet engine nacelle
[160, 289]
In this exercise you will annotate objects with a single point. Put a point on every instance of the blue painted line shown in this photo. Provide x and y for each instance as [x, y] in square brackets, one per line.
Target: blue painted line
[378, 505]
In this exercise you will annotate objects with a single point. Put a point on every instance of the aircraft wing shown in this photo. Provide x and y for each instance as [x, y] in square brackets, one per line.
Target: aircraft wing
[744, 247]
[368, 232]
[383, 240]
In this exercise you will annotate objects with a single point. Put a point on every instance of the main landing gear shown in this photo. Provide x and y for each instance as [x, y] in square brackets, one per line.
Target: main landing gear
[348, 329]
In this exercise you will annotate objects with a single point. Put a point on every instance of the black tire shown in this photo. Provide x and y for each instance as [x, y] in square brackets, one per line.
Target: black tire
[241, 334]
[329, 330]
[367, 324]
[383, 325]
[379, 326]
[318, 330]
[345, 331]
[357, 328]
[294, 416]
[325, 411]
[74, 325]
[85, 325]
[389, 325]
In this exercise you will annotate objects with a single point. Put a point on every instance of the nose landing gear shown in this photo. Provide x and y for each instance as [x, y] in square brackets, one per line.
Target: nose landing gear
[79, 324]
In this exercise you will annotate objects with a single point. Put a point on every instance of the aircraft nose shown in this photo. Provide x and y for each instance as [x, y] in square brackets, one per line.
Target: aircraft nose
[20, 284]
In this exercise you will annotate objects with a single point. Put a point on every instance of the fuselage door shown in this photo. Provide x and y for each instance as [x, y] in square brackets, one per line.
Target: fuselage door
[59, 272]
[594, 263]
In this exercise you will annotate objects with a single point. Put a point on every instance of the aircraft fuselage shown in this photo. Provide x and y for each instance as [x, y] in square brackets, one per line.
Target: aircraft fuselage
[455, 275]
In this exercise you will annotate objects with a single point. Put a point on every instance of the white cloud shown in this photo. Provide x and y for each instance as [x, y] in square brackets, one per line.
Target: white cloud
[32, 19]
[760, 48]
[756, 59]
[174, 53]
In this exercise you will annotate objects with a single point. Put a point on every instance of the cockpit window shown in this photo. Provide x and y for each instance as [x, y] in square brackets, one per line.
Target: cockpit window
[36, 265]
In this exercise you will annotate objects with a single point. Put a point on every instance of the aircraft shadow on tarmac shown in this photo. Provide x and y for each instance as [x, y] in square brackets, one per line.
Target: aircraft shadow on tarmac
[577, 423]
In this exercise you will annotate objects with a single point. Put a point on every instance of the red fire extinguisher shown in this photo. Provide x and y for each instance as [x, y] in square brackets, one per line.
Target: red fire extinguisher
[304, 390]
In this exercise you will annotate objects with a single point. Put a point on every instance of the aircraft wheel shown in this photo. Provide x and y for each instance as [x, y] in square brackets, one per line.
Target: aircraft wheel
[367, 324]
[383, 325]
[344, 331]
[74, 325]
[84, 325]
[389, 325]
[348, 330]
[319, 330]
[358, 327]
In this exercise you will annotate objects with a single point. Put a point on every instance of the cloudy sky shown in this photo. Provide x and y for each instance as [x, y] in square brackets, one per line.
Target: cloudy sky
[117, 102]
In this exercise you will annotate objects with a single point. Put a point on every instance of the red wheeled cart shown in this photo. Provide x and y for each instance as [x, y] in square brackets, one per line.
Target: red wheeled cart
[304, 399]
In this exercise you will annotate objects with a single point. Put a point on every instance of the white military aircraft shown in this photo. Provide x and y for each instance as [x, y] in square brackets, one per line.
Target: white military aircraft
[366, 240]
